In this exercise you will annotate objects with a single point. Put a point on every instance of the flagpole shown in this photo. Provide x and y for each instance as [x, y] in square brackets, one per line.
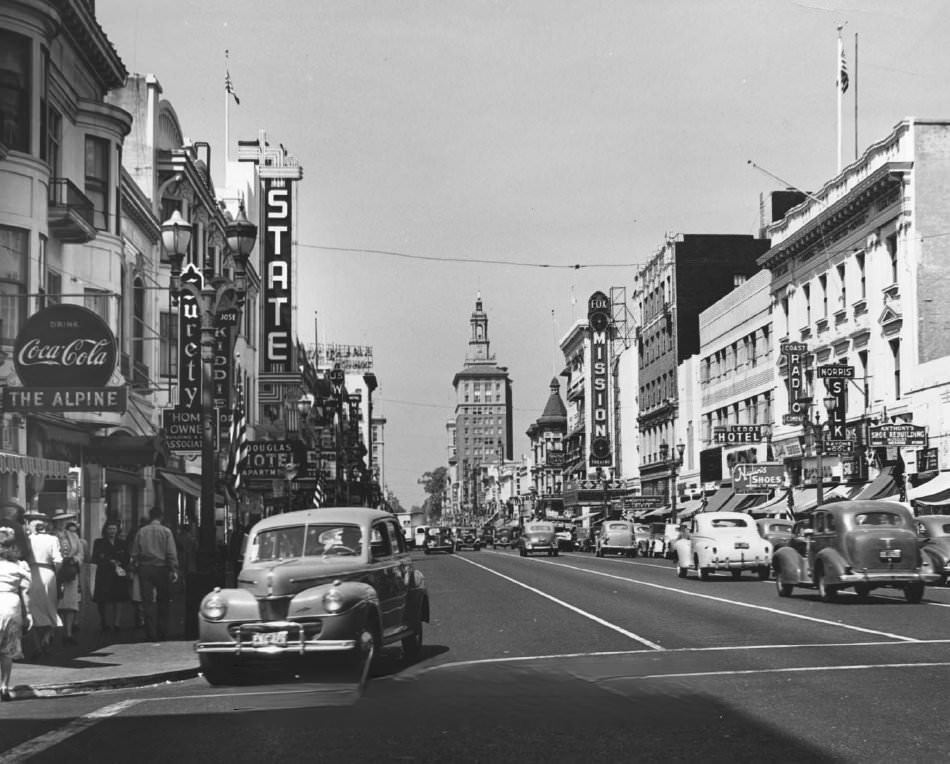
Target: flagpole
[838, 60]
[227, 115]
[855, 95]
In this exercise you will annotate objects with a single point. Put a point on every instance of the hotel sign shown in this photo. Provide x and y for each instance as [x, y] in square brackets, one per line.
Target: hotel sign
[598, 316]
[65, 356]
[278, 267]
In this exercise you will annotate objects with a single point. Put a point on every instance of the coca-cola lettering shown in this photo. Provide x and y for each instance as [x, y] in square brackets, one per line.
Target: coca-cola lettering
[65, 346]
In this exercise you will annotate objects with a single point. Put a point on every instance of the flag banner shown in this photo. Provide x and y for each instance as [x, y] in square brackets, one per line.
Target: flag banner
[237, 448]
[229, 87]
[843, 74]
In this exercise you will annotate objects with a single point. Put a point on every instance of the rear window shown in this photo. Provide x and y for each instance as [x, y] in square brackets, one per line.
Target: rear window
[729, 522]
[780, 527]
[540, 528]
[877, 518]
[618, 526]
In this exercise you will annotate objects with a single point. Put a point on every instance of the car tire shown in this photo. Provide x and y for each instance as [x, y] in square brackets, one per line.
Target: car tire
[862, 590]
[705, 574]
[427, 550]
[736, 574]
[412, 645]
[914, 593]
[556, 552]
[681, 571]
[765, 573]
[783, 589]
[217, 669]
[826, 591]
[522, 553]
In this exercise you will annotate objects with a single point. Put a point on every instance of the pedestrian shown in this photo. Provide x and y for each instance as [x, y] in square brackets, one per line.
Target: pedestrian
[155, 559]
[111, 584]
[15, 615]
[44, 597]
[13, 516]
[71, 547]
[135, 588]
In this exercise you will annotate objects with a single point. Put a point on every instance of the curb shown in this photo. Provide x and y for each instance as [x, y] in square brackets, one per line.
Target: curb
[25, 691]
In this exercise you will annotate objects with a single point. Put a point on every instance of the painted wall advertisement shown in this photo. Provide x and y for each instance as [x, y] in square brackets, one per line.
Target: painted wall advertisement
[65, 356]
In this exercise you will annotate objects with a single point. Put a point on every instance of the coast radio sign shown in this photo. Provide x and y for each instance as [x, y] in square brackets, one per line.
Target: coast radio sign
[65, 356]
[598, 316]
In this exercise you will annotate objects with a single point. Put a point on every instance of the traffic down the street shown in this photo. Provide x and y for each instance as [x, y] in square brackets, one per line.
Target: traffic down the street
[569, 658]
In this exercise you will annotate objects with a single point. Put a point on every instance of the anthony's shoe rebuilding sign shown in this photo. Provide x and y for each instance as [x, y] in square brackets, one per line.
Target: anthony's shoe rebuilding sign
[65, 356]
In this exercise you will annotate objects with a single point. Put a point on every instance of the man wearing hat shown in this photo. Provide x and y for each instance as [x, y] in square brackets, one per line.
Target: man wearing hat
[71, 547]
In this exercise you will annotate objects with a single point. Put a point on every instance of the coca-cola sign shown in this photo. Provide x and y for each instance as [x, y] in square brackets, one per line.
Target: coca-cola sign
[65, 345]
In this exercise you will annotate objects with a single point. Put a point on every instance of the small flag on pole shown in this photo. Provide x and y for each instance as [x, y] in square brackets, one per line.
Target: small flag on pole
[228, 85]
[843, 74]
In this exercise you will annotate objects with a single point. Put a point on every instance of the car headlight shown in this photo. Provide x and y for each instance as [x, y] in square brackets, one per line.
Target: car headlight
[214, 607]
[333, 601]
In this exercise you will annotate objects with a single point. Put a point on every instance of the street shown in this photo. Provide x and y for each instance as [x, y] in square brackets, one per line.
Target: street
[566, 659]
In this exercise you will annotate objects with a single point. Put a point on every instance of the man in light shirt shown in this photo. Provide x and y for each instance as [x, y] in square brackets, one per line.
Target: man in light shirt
[155, 559]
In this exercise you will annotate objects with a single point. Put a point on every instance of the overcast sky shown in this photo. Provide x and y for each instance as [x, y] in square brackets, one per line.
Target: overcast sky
[499, 143]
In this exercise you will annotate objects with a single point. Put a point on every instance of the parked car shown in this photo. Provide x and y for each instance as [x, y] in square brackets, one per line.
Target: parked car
[315, 581]
[488, 536]
[616, 537]
[933, 532]
[717, 541]
[419, 534]
[662, 536]
[466, 538]
[504, 537]
[439, 539]
[862, 544]
[566, 541]
[776, 530]
[538, 536]
[642, 536]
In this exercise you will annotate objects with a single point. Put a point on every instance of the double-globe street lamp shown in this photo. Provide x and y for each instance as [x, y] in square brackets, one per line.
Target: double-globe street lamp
[815, 429]
[216, 294]
[674, 464]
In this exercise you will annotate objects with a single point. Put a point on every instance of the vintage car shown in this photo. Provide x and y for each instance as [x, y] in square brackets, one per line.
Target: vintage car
[537, 536]
[616, 537]
[776, 530]
[863, 544]
[566, 538]
[315, 581]
[488, 536]
[466, 538]
[643, 536]
[439, 539]
[933, 532]
[505, 537]
[717, 541]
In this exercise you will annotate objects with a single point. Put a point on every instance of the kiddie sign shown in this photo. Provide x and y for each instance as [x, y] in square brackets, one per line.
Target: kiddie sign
[65, 355]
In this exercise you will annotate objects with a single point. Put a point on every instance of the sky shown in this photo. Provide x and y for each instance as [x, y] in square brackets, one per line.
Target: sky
[452, 148]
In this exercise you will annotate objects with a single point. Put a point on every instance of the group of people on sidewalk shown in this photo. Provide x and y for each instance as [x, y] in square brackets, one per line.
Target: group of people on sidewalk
[42, 560]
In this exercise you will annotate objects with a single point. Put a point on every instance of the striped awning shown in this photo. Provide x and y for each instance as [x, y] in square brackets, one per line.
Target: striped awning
[33, 465]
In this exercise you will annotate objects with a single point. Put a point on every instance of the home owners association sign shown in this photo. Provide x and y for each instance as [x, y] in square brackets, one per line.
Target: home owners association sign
[65, 356]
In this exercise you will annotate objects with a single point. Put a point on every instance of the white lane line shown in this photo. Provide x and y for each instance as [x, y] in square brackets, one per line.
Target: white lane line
[789, 670]
[763, 608]
[562, 603]
[47, 740]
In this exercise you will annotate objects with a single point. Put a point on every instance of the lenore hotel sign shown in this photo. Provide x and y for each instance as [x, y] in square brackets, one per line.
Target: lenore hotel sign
[65, 356]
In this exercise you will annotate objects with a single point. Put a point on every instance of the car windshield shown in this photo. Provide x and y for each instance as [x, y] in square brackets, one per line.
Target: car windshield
[877, 518]
[466, 530]
[618, 527]
[540, 528]
[729, 522]
[780, 527]
[310, 540]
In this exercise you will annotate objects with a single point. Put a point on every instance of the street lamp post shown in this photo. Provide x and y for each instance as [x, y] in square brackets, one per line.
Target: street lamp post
[215, 295]
[817, 429]
[674, 465]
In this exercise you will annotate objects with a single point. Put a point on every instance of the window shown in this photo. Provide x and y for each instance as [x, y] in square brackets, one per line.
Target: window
[14, 252]
[16, 74]
[843, 299]
[54, 287]
[863, 371]
[891, 243]
[168, 363]
[97, 301]
[97, 180]
[896, 354]
[823, 289]
[862, 278]
[785, 315]
[806, 296]
[138, 321]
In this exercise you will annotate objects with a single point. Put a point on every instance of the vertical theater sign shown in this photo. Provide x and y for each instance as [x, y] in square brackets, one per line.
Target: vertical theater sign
[598, 317]
[65, 356]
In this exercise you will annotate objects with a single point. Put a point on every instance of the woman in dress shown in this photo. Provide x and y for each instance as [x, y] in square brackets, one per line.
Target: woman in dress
[70, 545]
[14, 606]
[43, 591]
[112, 587]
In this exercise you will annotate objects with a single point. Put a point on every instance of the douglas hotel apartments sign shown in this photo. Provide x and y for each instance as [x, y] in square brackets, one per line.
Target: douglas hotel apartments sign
[65, 356]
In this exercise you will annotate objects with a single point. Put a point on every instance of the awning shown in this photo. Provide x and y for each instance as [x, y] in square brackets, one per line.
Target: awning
[715, 502]
[123, 450]
[62, 431]
[744, 502]
[936, 491]
[687, 509]
[655, 514]
[33, 465]
[183, 483]
[585, 516]
[883, 485]
[125, 477]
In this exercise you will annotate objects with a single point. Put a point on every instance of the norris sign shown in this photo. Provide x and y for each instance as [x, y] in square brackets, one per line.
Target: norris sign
[65, 356]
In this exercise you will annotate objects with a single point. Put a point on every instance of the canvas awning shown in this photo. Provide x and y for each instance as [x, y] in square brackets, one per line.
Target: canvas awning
[935, 491]
[883, 485]
[183, 483]
[33, 465]
[123, 450]
[687, 509]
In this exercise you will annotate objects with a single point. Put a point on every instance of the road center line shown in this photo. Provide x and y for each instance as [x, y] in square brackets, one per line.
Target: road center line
[54, 737]
[723, 600]
[562, 603]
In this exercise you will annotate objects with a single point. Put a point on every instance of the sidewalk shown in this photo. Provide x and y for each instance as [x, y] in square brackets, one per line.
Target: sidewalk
[107, 661]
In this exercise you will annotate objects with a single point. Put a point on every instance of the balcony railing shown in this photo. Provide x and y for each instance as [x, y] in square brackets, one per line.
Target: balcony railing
[71, 213]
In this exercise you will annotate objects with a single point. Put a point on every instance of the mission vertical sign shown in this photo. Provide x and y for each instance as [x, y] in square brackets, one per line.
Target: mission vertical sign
[598, 317]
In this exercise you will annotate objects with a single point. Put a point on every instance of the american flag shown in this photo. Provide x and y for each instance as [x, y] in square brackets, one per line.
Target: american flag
[237, 447]
[319, 492]
[228, 85]
[843, 74]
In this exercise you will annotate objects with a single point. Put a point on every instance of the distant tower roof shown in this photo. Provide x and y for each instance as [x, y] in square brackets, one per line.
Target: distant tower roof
[555, 412]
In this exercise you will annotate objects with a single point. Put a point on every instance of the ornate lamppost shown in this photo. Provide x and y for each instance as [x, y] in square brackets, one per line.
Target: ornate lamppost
[674, 464]
[816, 429]
[216, 294]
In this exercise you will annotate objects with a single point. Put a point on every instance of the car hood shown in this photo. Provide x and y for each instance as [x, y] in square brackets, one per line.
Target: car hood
[864, 547]
[287, 577]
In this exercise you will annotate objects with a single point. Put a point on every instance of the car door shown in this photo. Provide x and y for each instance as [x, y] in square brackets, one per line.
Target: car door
[388, 566]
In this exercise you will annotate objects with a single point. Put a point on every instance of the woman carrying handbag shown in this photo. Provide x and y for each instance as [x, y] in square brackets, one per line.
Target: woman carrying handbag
[112, 581]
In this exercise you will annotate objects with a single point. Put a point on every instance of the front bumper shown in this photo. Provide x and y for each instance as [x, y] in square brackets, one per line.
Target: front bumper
[617, 549]
[294, 639]
[538, 547]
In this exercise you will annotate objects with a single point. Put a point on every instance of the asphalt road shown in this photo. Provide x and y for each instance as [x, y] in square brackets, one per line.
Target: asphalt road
[572, 658]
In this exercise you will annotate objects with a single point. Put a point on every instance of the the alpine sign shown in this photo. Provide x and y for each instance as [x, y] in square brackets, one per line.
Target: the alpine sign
[65, 356]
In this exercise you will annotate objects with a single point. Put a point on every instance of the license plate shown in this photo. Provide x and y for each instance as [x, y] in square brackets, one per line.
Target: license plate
[742, 545]
[890, 554]
[269, 638]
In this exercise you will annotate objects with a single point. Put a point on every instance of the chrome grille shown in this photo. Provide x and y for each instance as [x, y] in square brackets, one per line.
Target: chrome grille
[274, 609]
